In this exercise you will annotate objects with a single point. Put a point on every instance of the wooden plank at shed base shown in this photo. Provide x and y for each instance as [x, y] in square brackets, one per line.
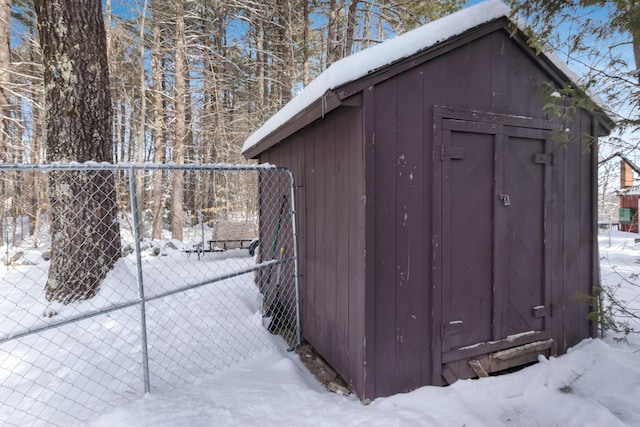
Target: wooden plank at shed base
[509, 358]
[495, 362]
[477, 367]
[449, 376]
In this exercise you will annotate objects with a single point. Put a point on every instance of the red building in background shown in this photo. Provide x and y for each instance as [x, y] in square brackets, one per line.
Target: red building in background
[629, 195]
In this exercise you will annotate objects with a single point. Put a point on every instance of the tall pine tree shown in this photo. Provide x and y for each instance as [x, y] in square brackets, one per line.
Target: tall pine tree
[85, 237]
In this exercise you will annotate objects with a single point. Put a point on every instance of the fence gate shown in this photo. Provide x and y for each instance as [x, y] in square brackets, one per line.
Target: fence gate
[109, 289]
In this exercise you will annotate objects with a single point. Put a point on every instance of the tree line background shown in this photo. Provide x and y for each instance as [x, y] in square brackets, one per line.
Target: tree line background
[189, 81]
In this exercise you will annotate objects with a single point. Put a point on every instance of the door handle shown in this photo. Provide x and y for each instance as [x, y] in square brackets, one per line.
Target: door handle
[506, 201]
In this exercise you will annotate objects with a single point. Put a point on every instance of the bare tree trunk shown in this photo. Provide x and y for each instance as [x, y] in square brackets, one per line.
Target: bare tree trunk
[215, 90]
[306, 77]
[157, 77]
[189, 146]
[333, 35]
[380, 30]
[211, 108]
[5, 61]
[177, 194]
[85, 236]
[143, 119]
[366, 26]
[635, 38]
[38, 180]
[108, 26]
[285, 55]
[260, 59]
[289, 57]
[122, 131]
[5, 79]
[351, 26]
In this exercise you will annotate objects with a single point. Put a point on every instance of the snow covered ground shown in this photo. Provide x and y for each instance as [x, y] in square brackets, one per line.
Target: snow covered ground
[94, 373]
[80, 370]
[596, 384]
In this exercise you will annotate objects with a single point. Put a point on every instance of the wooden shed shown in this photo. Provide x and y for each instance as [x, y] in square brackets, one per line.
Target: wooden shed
[446, 221]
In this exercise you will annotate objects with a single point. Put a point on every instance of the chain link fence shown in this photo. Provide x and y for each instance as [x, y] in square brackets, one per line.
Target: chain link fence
[116, 280]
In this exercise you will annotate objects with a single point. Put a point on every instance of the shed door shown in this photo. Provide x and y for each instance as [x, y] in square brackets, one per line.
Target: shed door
[491, 229]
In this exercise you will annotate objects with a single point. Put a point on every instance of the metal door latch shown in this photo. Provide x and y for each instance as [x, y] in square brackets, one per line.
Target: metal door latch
[506, 201]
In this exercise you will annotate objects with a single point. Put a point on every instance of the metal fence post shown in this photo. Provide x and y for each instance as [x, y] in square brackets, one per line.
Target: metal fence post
[295, 256]
[143, 316]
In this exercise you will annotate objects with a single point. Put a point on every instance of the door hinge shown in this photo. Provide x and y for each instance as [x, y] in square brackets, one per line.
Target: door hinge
[542, 311]
[452, 328]
[543, 158]
[452, 153]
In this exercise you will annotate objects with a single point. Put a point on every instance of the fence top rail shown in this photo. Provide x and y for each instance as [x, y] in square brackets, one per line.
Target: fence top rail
[138, 166]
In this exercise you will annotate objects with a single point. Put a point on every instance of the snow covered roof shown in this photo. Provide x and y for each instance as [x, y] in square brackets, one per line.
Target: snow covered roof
[629, 191]
[366, 61]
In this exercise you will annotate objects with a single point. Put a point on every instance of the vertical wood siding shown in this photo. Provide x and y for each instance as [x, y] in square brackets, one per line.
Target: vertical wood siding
[326, 159]
[491, 74]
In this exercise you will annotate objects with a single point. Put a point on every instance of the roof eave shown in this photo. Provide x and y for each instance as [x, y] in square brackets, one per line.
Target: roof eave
[321, 106]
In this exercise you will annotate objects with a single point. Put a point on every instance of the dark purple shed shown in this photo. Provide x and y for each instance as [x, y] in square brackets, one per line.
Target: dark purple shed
[446, 222]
